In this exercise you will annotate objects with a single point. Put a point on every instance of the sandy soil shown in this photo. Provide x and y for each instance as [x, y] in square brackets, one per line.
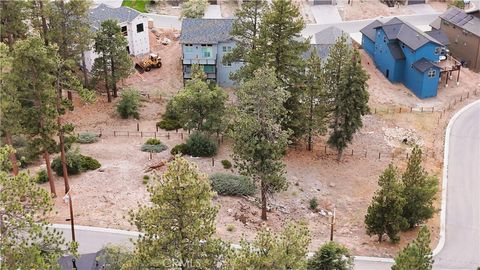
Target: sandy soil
[368, 9]
[104, 197]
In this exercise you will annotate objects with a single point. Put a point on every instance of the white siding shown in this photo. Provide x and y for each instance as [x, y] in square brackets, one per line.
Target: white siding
[90, 58]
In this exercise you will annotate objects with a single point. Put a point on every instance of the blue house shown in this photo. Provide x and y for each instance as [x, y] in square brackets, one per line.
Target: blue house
[404, 54]
[205, 42]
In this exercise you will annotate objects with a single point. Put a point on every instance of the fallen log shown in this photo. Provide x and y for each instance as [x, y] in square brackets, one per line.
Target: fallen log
[159, 164]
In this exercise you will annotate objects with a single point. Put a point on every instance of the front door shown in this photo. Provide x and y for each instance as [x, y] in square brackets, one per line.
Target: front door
[387, 73]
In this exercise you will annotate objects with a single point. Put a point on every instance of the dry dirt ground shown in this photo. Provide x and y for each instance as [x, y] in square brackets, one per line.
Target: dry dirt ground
[103, 197]
[368, 9]
[227, 8]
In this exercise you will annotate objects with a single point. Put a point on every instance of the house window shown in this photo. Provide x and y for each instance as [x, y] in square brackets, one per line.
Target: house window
[438, 50]
[229, 48]
[385, 39]
[188, 48]
[139, 27]
[432, 73]
[124, 30]
[224, 48]
[209, 69]
[206, 52]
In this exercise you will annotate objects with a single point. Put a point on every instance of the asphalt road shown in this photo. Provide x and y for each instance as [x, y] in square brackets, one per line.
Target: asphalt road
[461, 249]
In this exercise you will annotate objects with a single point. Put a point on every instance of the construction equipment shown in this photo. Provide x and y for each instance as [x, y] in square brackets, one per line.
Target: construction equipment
[152, 61]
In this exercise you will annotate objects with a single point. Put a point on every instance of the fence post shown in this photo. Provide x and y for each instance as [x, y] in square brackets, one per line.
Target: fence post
[176, 130]
[168, 135]
[100, 133]
[407, 155]
[325, 149]
[222, 137]
[181, 135]
[379, 155]
[352, 152]
[411, 109]
[155, 134]
[138, 126]
[375, 111]
[213, 162]
[400, 110]
[114, 134]
[141, 134]
[156, 128]
[468, 94]
[365, 153]
[150, 158]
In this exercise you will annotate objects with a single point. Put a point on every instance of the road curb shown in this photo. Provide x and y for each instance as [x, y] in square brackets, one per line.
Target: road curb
[443, 207]
[96, 229]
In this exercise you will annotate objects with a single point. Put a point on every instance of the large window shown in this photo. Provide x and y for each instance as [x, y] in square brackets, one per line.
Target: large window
[188, 48]
[209, 69]
[207, 51]
[432, 73]
[124, 30]
[139, 27]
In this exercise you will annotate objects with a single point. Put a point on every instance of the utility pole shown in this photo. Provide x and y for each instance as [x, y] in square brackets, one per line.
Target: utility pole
[68, 198]
[332, 223]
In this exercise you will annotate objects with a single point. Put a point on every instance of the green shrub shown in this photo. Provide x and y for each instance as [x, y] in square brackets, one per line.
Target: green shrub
[231, 185]
[153, 141]
[200, 144]
[129, 104]
[313, 203]
[154, 148]
[76, 163]
[226, 164]
[42, 177]
[146, 177]
[179, 149]
[169, 124]
[87, 137]
[230, 227]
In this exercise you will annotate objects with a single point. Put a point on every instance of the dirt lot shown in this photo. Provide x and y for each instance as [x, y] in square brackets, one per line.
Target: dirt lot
[104, 197]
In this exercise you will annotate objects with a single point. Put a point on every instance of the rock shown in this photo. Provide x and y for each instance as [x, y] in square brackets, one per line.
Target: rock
[318, 189]
[166, 41]
[229, 210]
[323, 213]
[102, 169]
[331, 184]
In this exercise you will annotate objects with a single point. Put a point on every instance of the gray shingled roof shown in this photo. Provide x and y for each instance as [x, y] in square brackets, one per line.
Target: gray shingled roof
[329, 36]
[322, 51]
[396, 51]
[439, 35]
[461, 19]
[205, 31]
[370, 31]
[103, 12]
[423, 65]
[406, 33]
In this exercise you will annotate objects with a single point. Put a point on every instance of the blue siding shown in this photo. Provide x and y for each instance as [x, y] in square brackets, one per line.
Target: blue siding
[224, 71]
[368, 45]
[402, 70]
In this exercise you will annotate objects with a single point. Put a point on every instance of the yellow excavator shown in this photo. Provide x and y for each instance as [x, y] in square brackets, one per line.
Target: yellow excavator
[146, 64]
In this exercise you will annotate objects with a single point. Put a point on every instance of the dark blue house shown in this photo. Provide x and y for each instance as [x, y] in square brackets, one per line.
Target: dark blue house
[404, 54]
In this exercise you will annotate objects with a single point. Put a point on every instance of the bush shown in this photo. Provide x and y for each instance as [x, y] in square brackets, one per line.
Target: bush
[200, 144]
[169, 124]
[179, 149]
[129, 104]
[331, 256]
[76, 163]
[87, 137]
[153, 141]
[226, 164]
[230, 227]
[231, 185]
[146, 177]
[313, 203]
[42, 177]
[153, 148]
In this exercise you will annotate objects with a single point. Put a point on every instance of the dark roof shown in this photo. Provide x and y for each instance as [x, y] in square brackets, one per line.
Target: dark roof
[424, 64]
[329, 36]
[205, 31]
[396, 51]
[370, 31]
[103, 12]
[439, 35]
[406, 33]
[461, 19]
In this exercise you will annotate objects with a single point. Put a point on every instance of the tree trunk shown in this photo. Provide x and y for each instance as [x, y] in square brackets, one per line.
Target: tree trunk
[61, 136]
[380, 236]
[44, 23]
[114, 83]
[105, 73]
[84, 69]
[264, 201]
[339, 154]
[13, 158]
[310, 140]
[46, 156]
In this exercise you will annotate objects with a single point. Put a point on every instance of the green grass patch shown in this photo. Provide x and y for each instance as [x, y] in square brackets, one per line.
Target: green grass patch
[140, 5]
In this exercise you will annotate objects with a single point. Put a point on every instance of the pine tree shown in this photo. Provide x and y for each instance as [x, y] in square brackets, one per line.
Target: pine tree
[246, 31]
[281, 47]
[200, 106]
[417, 255]
[25, 240]
[350, 102]
[313, 100]
[331, 256]
[384, 215]
[259, 140]
[10, 106]
[113, 62]
[286, 250]
[419, 192]
[179, 225]
[13, 15]
[37, 95]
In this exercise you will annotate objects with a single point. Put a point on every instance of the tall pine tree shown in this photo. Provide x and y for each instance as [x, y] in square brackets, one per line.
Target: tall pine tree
[350, 99]
[419, 192]
[417, 255]
[259, 140]
[13, 26]
[384, 215]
